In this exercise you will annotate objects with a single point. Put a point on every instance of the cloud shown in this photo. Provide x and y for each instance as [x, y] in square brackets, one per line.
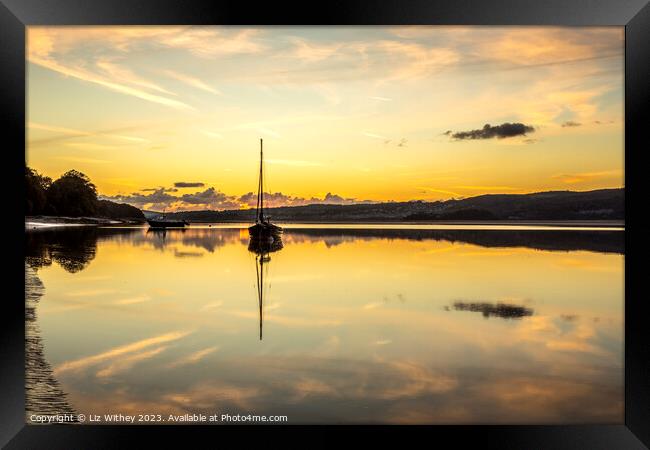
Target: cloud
[164, 189]
[91, 77]
[126, 363]
[185, 184]
[212, 134]
[505, 130]
[133, 300]
[192, 81]
[58, 49]
[280, 199]
[115, 72]
[210, 197]
[159, 199]
[119, 351]
[69, 133]
[571, 123]
[193, 358]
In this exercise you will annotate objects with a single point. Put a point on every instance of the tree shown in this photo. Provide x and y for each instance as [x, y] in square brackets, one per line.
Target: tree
[72, 195]
[36, 187]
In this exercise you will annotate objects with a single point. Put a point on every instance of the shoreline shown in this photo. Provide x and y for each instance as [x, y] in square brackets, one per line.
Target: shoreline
[41, 222]
[37, 222]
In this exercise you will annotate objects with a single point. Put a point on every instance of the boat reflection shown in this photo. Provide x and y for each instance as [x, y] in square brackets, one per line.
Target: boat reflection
[161, 233]
[262, 249]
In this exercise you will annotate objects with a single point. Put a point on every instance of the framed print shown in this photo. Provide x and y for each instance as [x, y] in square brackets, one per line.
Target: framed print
[386, 218]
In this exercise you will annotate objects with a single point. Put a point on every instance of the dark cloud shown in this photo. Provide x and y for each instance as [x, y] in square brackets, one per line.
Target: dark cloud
[571, 123]
[159, 198]
[505, 130]
[164, 189]
[210, 197]
[502, 310]
[186, 184]
[402, 142]
[214, 199]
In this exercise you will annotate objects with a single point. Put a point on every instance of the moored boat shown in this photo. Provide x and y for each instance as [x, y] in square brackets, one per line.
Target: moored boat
[263, 229]
[161, 222]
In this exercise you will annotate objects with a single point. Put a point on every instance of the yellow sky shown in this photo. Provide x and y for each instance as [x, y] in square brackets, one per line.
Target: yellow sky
[362, 113]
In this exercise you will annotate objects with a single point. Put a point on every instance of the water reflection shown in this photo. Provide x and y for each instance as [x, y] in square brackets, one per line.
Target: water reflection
[565, 240]
[359, 330]
[502, 310]
[262, 250]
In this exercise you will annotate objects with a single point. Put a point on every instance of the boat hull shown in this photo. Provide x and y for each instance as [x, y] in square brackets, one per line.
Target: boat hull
[264, 231]
[167, 223]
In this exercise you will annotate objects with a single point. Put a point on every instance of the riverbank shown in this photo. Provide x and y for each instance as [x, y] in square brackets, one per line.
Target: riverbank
[35, 222]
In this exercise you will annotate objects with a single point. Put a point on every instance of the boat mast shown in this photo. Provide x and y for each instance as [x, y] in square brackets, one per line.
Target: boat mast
[261, 191]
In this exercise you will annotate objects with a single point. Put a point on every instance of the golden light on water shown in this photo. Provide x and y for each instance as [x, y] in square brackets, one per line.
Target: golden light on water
[375, 322]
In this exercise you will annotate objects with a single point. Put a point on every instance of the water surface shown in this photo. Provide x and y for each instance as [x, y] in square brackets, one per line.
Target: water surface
[371, 325]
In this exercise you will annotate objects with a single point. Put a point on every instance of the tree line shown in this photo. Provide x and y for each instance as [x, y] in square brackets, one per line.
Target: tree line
[70, 195]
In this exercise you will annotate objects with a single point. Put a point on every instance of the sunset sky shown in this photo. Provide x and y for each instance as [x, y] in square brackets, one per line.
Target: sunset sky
[171, 117]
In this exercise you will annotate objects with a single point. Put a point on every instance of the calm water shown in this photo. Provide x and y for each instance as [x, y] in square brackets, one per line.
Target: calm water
[356, 325]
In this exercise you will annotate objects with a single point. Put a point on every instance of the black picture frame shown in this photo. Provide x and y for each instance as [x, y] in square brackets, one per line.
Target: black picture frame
[634, 15]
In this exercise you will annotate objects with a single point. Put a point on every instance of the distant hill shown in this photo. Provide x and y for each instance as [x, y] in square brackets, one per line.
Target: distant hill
[603, 204]
[112, 210]
[150, 214]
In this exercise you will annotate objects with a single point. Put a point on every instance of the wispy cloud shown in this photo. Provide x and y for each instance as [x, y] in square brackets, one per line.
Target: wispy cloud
[212, 134]
[133, 300]
[90, 77]
[69, 132]
[126, 363]
[118, 351]
[192, 81]
[193, 358]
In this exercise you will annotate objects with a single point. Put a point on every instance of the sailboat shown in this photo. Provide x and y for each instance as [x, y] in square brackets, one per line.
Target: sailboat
[161, 222]
[263, 230]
